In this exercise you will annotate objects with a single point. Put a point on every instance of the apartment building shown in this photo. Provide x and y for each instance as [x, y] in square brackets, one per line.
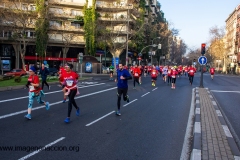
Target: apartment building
[232, 39]
[65, 32]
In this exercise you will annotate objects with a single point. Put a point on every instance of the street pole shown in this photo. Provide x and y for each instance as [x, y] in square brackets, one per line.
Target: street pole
[201, 80]
[127, 36]
[81, 71]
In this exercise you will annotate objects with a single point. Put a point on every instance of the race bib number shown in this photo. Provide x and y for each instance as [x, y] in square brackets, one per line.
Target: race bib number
[191, 71]
[173, 76]
[169, 72]
[154, 73]
[69, 82]
[136, 74]
[31, 88]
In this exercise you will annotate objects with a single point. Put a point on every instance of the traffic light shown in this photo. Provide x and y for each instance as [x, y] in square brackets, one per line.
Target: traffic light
[203, 48]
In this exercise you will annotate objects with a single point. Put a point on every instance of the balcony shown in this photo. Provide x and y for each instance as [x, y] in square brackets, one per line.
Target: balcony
[101, 5]
[153, 3]
[67, 29]
[146, 3]
[69, 3]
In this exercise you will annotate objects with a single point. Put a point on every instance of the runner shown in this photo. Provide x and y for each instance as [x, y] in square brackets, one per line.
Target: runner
[165, 73]
[174, 74]
[212, 70]
[69, 79]
[34, 92]
[145, 71]
[191, 73]
[44, 73]
[169, 75]
[154, 75]
[62, 71]
[122, 86]
[111, 68]
[140, 75]
[136, 74]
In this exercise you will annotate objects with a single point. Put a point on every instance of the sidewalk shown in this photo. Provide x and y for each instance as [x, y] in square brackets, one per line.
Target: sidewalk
[212, 139]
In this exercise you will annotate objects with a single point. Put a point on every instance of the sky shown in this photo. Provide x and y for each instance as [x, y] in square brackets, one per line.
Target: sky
[194, 18]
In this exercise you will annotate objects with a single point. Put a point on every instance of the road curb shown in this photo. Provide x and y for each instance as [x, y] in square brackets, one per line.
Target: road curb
[197, 135]
[9, 88]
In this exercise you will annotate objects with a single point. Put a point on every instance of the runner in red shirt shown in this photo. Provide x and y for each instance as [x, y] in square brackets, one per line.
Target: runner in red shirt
[191, 73]
[169, 75]
[62, 71]
[69, 79]
[140, 75]
[34, 92]
[136, 75]
[174, 74]
[149, 69]
[154, 74]
[145, 71]
[212, 70]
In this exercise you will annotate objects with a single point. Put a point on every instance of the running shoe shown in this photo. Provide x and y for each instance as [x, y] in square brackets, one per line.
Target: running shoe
[127, 99]
[47, 106]
[152, 84]
[78, 111]
[64, 101]
[67, 120]
[118, 113]
[28, 116]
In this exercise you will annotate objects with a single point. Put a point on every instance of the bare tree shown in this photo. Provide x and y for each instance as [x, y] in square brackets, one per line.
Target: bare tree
[17, 19]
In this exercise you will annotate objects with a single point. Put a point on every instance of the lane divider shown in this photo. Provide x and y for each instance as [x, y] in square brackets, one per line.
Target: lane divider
[39, 150]
[130, 102]
[145, 94]
[99, 118]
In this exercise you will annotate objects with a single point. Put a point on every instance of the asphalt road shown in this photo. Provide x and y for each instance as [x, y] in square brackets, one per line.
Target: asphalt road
[152, 126]
[226, 90]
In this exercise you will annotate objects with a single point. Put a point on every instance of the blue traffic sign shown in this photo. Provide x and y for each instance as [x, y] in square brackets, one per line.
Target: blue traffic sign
[202, 60]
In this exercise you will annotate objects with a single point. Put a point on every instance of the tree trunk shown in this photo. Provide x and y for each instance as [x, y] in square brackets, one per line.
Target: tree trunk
[65, 50]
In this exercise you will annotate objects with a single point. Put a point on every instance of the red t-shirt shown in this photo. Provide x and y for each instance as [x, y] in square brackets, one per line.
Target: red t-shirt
[136, 72]
[169, 72]
[154, 73]
[34, 79]
[174, 73]
[191, 71]
[212, 70]
[69, 79]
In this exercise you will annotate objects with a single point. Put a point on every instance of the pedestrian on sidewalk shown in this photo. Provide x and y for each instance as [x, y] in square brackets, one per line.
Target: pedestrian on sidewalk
[44, 73]
[70, 80]
[34, 92]
[122, 86]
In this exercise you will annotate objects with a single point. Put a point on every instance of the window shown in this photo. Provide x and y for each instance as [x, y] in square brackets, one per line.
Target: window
[32, 7]
[24, 7]
[77, 13]
[76, 25]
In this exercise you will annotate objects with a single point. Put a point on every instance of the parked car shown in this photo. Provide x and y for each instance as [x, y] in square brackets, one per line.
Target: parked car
[16, 72]
[53, 71]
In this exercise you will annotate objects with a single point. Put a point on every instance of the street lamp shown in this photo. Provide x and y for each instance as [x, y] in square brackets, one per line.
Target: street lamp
[36, 58]
[152, 44]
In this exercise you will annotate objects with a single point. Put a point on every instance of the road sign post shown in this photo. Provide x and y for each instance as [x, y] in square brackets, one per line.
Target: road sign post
[202, 60]
[80, 58]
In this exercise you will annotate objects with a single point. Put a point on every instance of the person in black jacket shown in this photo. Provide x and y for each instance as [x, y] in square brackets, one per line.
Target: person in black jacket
[44, 72]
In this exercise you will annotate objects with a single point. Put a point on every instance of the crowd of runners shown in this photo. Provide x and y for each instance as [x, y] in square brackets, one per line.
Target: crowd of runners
[68, 80]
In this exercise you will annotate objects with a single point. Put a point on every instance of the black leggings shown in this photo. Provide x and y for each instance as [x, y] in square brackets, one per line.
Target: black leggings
[44, 81]
[120, 92]
[169, 79]
[71, 101]
[191, 79]
[136, 79]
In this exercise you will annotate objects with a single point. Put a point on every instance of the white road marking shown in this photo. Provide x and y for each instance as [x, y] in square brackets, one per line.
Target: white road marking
[219, 113]
[145, 94]
[99, 118]
[13, 99]
[214, 103]
[155, 89]
[225, 91]
[89, 82]
[210, 96]
[227, 131]
[197, 111]
[197, 95]
[197, 127]
[130, 102]
[236, 158]
[197, 101]
[37, 151]
[51, 104]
